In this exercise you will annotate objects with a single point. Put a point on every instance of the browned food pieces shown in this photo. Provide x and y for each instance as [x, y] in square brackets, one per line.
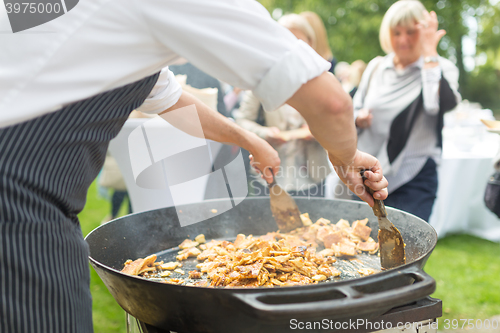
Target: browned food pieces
[345, 249]
[195, 274]
[202, 283]
[200, 239]
[272, 260]
[369, 246]
[306, 221]
[169, 265]
[175, 281]
[332, 238]
[360, 229]
[190, 252]
[367, 271]
[187, 243]
[319, 277]
[139, 266]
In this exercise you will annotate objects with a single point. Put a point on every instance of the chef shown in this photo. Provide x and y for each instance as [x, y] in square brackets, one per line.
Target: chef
[67, 87]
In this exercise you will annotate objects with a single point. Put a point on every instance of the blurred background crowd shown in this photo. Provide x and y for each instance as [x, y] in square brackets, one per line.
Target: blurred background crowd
[348, 34]
[472, 40]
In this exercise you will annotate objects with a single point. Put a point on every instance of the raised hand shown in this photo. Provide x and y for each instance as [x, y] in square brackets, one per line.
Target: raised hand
[429, 34]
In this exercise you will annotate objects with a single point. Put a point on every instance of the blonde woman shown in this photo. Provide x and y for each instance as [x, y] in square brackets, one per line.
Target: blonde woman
[400, 103]
[322, 43]
[304, 163]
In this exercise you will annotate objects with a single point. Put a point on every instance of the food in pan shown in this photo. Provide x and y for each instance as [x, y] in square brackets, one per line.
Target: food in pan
[274, 259]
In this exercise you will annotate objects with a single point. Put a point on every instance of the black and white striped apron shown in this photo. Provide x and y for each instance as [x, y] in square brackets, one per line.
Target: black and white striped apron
[46, 167]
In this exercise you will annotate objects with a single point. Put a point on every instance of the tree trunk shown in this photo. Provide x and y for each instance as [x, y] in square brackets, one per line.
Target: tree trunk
[460, 65]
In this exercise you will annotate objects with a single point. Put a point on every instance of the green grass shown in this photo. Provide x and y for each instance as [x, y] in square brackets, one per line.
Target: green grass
[467, 273]
[108, 315]
[466, 269]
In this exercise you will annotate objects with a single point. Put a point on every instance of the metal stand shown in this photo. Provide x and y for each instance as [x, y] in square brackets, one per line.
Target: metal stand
[417, 317]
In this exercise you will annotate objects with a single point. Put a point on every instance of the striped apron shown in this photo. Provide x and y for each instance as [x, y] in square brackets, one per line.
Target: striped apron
[46, 167]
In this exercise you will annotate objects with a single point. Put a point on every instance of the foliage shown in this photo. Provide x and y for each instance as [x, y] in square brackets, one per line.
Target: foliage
[352, 25]
[489, 38]
[484, 86]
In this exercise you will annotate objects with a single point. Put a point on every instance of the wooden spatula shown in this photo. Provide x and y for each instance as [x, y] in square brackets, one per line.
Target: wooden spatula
[391, 245]
[284, 208]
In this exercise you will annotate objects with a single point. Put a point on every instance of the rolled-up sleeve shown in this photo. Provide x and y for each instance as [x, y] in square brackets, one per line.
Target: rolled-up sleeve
[431, 85]
[430, 89]
[165, 94]
[237, 42]
[300, 65]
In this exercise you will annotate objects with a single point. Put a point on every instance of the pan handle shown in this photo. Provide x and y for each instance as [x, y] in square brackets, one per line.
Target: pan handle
[336, 302]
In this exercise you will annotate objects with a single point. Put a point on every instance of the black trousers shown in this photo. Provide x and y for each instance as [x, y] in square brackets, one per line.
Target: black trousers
[418, 195]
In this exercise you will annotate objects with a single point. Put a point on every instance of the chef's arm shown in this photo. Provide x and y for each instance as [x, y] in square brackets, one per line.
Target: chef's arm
[328, 111]
[219, 128]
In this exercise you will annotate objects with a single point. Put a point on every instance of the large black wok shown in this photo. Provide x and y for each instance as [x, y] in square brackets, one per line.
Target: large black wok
[194, 309]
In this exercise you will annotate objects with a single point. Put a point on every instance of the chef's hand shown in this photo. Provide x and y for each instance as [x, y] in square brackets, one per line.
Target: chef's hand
[364, 118]
[264, 159]
[350, 175]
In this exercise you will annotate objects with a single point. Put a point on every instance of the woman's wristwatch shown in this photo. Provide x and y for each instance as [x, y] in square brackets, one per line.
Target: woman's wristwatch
[430, 59]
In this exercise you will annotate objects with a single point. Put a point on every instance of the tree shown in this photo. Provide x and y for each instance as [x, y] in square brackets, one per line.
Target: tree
[352, 25]
[484, 84]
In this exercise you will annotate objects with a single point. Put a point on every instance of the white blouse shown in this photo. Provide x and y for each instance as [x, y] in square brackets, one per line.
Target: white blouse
[387, 91]
[103, 44]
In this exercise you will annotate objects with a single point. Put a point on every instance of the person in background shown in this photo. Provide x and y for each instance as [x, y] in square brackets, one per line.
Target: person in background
[400, 103]
[322, 43]
[356, 70]
[342, 73]
[198, 79]
[111, 180]
[232, 98]
[304, 163]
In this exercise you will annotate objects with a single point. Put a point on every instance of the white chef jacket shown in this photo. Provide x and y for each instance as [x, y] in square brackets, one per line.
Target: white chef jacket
[103, 44]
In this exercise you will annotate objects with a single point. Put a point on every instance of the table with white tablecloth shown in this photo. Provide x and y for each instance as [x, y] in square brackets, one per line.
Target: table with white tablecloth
[459, 206]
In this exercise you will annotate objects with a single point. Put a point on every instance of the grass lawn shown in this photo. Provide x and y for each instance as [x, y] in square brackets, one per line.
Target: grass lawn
[108, 315]
[466, 269]
[467, 273]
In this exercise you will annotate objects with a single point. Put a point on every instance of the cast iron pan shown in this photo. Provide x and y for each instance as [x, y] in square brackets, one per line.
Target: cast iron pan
[195, 309]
